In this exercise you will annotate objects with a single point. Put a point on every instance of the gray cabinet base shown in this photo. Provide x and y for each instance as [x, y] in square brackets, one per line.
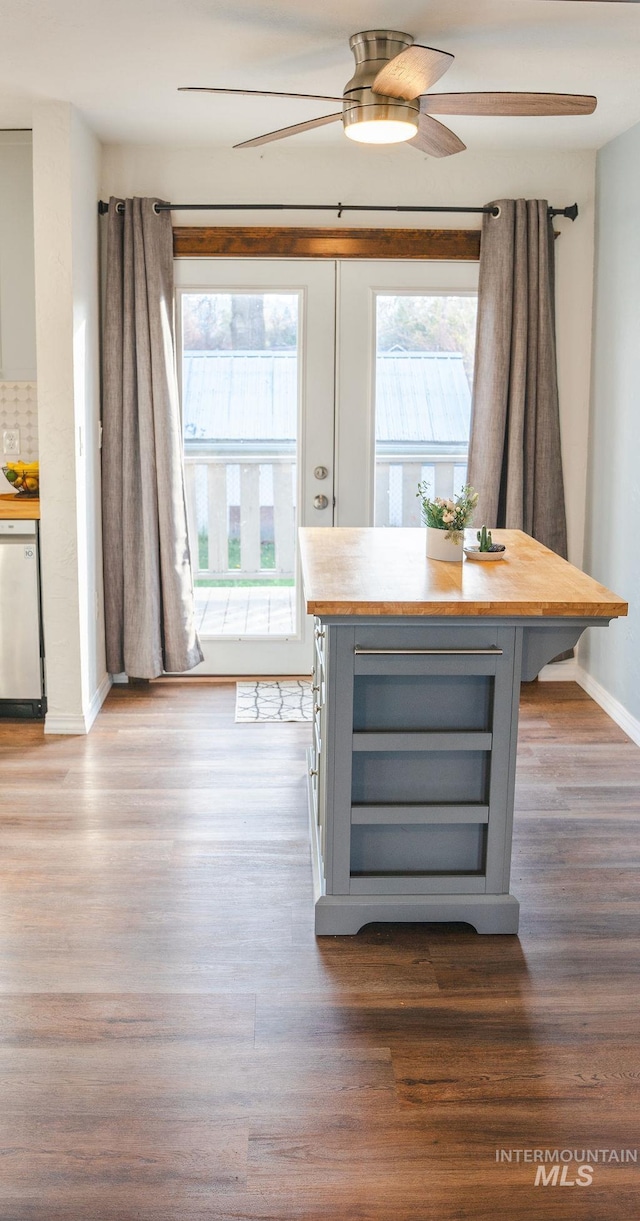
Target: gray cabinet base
[412, 768]
[342, 914]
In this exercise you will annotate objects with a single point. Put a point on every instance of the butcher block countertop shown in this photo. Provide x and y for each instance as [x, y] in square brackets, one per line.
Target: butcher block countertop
[352, 571]
[19, 508]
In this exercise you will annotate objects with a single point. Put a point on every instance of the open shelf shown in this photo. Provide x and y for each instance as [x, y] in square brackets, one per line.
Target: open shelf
[405, 848]
[407, 702]
[434, 777]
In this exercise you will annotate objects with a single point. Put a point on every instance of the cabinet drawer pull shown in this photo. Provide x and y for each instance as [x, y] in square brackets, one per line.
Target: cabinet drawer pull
[319, 633]
[492, 652]
[313, 771]
[317, 708]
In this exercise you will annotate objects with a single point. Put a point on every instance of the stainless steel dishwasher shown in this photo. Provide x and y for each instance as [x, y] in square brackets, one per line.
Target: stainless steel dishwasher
[21, 652]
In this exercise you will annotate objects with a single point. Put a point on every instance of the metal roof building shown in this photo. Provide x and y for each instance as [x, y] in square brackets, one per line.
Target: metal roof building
[423, 399]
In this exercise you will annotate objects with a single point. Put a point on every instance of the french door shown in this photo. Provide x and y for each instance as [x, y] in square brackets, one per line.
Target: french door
[303, 381]
[405, 344]
[257, 375]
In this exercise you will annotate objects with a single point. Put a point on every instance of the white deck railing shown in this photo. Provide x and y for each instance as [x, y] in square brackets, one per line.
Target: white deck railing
[397, 479]
[247, 503]
[242, 499]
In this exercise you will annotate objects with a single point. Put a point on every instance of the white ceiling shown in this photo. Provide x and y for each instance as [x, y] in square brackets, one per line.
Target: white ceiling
[120, 62]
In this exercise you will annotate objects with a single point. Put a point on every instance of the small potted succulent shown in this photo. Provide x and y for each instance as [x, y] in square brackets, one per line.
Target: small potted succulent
[446, 520]
[486, 549]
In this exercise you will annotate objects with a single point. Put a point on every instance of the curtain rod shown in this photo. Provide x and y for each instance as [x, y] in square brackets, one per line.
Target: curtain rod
[570, 212]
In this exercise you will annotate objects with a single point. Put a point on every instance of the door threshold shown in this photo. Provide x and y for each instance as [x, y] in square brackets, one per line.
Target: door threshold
[231, 678]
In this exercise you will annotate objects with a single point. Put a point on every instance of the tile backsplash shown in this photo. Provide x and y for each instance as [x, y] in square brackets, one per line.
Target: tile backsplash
[19, 409]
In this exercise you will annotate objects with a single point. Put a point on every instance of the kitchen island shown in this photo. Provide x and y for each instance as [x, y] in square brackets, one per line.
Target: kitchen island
[418, 665]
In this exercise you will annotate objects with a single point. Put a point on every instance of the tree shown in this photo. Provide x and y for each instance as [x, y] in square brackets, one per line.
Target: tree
[247, 323]
[428, 324]
[223, 322]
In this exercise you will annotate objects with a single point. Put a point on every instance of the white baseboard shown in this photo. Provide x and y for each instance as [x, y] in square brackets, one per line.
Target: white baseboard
[99, 697]
[610, 705]
[61, 723]
[560, 672]
[79, 724]
[572, 671]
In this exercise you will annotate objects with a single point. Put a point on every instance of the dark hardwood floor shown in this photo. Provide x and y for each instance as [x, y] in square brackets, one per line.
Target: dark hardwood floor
[176, 1045]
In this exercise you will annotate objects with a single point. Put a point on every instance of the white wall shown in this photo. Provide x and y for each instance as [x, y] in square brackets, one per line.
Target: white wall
[399, 176]
[18, 391]
[86, 353]
[17, 293]
[65, 170]
[612, 541]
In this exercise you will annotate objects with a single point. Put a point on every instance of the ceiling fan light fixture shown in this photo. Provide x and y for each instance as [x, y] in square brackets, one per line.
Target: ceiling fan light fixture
[381, 131]
[370, 118]
[389, 100]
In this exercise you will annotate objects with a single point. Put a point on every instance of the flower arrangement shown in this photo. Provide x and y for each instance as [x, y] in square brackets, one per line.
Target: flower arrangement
[449, 515]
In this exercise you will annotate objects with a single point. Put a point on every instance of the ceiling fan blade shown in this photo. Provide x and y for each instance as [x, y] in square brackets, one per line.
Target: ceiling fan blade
[412, 72]
[258, 93]
[507, 103]
[283, 132]
[436, 139]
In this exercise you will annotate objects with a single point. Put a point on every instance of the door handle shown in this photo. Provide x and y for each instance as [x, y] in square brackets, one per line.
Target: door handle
[320, 502]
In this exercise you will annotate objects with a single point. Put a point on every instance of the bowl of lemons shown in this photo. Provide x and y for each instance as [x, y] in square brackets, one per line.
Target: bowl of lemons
[24, 477]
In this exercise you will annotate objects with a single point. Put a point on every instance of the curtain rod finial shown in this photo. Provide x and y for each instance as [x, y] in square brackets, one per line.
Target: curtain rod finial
[570, 212]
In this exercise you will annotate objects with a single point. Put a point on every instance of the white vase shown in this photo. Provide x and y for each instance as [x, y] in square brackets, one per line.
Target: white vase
[439, 547]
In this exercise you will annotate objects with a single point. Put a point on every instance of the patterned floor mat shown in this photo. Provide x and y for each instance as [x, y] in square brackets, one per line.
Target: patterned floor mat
[274, 701]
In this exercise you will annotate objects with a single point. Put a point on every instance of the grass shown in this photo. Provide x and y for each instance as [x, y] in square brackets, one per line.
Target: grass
[226, 583]
[267, 561]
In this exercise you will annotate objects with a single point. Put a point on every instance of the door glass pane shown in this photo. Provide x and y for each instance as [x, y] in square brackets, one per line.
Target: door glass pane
[424, 372]
[240, 423]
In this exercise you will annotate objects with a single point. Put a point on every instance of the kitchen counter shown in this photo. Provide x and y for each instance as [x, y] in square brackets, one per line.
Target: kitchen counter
[19, 508]
[350, 571]
[418, 665]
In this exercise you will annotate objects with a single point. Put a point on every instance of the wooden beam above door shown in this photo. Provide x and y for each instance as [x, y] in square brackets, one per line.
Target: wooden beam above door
[191, 241]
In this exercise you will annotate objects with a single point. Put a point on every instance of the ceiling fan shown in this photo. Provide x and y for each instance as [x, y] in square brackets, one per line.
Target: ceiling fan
[387, 100]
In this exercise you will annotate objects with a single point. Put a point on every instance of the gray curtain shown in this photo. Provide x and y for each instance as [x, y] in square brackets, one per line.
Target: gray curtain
[149, 608]
[514, 453]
